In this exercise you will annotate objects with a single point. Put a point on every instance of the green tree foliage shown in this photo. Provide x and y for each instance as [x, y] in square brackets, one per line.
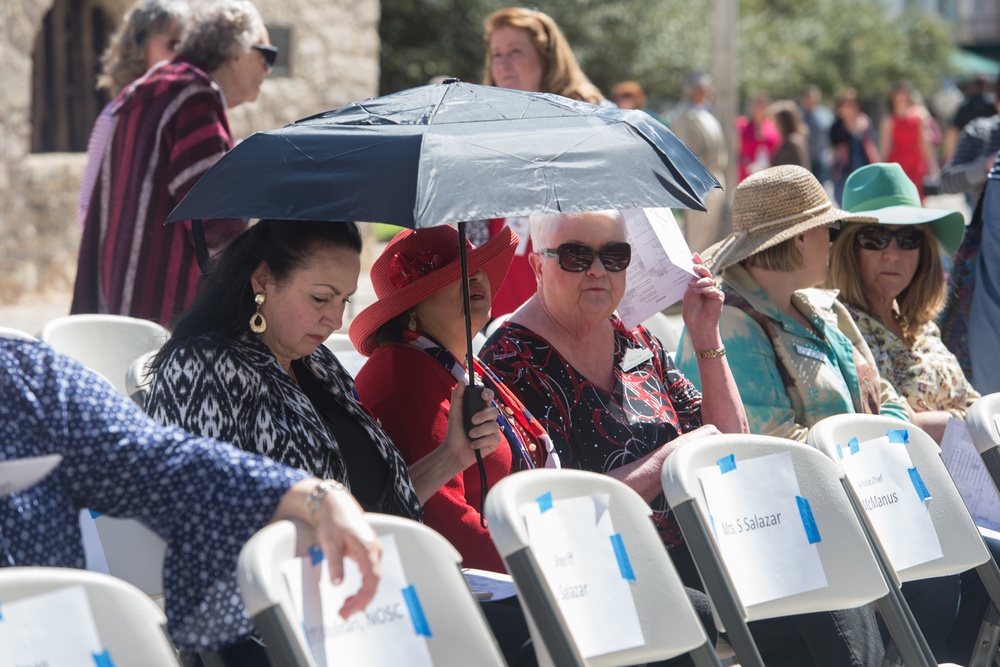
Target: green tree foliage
[784, 44]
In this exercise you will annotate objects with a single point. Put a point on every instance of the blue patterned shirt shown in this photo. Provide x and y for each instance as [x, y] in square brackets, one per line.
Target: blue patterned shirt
[205, 499]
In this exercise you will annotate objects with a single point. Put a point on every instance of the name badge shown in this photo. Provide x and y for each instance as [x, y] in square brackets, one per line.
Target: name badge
[635, 357]
[810, 352]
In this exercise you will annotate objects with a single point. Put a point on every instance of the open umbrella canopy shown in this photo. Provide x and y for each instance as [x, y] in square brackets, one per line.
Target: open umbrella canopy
[450, 153]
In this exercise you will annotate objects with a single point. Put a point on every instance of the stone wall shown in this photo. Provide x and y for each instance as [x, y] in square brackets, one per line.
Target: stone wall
[334, 60]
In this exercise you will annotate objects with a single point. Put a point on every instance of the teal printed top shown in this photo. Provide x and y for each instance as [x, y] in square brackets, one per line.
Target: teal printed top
[821, 362]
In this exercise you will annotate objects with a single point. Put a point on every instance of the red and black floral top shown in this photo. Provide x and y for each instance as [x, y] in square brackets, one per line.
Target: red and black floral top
[651, 404]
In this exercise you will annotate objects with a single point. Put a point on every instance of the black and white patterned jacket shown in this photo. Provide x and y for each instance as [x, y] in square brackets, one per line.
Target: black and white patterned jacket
[237, 392]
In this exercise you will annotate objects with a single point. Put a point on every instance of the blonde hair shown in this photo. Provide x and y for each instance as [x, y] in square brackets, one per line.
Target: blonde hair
[124, 60]
[921, 300]
[781, 257]
[561, 74]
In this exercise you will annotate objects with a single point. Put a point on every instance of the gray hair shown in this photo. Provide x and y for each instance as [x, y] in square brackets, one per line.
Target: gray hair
[694, 82]
[124, 61]
[543, 227]
[220, 30]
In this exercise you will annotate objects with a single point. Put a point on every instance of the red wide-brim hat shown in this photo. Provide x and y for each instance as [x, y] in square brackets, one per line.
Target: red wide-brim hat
[416, 264]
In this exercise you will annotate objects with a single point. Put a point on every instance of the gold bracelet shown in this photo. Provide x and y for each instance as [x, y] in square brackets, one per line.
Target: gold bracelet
[315, 498]
[711, 354]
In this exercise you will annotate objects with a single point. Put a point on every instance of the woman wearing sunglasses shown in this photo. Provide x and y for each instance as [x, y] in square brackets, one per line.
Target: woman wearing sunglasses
[890, 278]
[610, 398]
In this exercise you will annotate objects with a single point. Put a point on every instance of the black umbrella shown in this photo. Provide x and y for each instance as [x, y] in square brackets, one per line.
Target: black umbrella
[452, 153]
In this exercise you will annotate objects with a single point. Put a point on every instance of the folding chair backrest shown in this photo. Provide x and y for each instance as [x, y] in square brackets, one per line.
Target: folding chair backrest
[983, 420]
[669, 625]
[851, 570]
[15, 334]
[138, 378]
[134, 553]
[667, 330]
[129, 624]
[960, 540]
[107, 344]
[460, 633]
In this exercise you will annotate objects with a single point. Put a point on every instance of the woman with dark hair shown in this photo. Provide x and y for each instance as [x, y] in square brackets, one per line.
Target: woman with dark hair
[246, 364]
[852, 139]
[794, 148]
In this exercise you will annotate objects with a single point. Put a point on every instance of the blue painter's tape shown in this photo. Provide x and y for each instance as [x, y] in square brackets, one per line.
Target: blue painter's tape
[545, 501]
[840, 452]
[316, 555]
[93, 514]
[727, 463]
[901, 436]
[624, 564]
[808, 522]
[103, 659]
[1, 613]
[420, 625]
[854, 445]
[918, 484]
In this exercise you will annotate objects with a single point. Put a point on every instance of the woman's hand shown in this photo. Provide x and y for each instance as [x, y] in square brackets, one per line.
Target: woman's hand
[485, 435]
[341, 531]
[702, 307]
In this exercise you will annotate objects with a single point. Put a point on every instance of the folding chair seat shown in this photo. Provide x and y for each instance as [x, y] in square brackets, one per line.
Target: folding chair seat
[853, 575]
[107, 344]
[131, 627]
[668, 623]
[961, 544]
[460, 635]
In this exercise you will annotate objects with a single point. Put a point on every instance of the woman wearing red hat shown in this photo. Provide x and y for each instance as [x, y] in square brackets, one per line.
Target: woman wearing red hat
[415, 338]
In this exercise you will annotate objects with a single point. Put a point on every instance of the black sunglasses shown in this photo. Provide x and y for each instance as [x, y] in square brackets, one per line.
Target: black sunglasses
[577, 257]
[270, 53]
[875, 237]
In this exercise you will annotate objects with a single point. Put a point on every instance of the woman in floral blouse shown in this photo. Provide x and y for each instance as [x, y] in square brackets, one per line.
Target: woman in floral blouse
[889, 276]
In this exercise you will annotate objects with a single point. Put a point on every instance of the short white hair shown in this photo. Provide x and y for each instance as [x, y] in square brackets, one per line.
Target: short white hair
[543, 227]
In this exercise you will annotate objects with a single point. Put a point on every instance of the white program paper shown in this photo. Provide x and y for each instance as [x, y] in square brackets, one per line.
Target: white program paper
[574, 543]
[970, 474]
[19, 474]
[486, 585]
[764, 528]
[55, 629]
[390, 631]
[892, 493]
[661, 265]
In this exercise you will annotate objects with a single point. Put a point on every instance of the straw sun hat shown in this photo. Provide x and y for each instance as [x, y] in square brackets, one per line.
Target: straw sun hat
[772, 206]
[416, 264]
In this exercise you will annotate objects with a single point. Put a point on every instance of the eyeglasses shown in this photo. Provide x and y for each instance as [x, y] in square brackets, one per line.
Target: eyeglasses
[577, 257]
[834, 232]
[270, 53]
[875, 237]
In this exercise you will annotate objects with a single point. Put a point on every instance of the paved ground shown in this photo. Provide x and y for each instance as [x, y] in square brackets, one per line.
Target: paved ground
[30, 315]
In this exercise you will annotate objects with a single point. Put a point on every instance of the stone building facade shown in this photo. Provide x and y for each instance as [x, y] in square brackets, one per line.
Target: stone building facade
[332, 60]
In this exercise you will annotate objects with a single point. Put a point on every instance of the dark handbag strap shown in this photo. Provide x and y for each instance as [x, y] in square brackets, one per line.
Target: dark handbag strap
[738, 301]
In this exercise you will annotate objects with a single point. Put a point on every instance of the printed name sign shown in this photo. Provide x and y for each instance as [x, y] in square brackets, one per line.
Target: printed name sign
[764, 527]
[894, 497]
[392, 630]
[586, 566]
[54, 629]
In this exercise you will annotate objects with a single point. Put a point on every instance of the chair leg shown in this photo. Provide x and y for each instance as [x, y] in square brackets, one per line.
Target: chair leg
[704, 656]
[985, 651]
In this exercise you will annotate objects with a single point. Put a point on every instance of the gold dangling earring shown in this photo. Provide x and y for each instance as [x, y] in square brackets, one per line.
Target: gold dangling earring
[257, 323]
[412, 326]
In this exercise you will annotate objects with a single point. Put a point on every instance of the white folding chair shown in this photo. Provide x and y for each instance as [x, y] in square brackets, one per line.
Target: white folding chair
[138, 378]
[107, 344]
[133, 553]
[669, 624]
[15, 334]
[665, 329]
[129, 624]
[983, 420]
[960, 540]
[432, 566]
[339, 342]
[853, 575]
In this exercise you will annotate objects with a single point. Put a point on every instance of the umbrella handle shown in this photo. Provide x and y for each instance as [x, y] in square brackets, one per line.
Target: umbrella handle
[472, 402]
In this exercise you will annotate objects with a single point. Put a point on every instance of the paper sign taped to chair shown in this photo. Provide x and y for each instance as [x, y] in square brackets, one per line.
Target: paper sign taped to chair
[392, 630]
[661, 265]
[587, 568]
[19, 474]
[895, 499]
[971, 477]
[55, 629]
[764, 527]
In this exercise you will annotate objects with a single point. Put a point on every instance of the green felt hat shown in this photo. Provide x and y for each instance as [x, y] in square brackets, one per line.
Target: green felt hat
[883, 191]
